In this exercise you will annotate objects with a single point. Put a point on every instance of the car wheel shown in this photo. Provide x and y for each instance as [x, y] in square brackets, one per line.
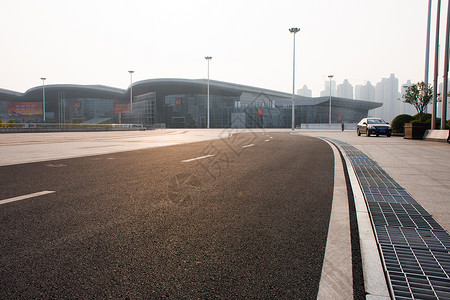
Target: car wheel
[388, 135]
[358, 133]
[378, 135]
[367, 132]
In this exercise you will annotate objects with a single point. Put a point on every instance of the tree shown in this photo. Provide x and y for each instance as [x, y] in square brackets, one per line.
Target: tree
[419, 95]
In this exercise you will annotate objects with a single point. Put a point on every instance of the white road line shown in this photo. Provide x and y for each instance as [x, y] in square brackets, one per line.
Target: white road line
[25, 197]
[267, 141]
[197, 158]
[246, 146]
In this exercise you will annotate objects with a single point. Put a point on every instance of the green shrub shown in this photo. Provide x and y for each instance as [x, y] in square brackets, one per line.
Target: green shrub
[398, 123]
[425, 117]
[438, 123]
[427, 123]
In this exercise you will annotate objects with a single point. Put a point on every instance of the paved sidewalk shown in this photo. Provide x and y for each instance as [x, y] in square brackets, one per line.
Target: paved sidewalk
[422, 168]
[415, 248]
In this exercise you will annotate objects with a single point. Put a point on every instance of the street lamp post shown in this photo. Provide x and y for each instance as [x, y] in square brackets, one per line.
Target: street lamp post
[436, 67]
[446, 66]
[43, 97]
[329, 119]
[427, 47]
[208, 58]
[131, 89]
[293, 30]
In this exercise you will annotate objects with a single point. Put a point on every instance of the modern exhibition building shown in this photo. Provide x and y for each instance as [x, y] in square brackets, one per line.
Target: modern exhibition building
[176, 103]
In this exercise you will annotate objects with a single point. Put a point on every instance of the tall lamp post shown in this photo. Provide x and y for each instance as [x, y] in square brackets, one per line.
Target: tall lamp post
[293, 30]
[329, 119]
[208, 58]
[446, 66]
[43, 97]
[427, 47]
[131, 89]
[436, 67]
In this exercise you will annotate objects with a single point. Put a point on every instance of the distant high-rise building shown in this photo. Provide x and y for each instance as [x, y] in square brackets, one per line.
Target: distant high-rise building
[387, 93]
[345, 90]
[326, 91]
[405, 107]
[365, 92]
[304, 92]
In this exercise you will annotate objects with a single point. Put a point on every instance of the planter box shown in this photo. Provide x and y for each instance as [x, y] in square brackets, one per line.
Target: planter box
[415, 131]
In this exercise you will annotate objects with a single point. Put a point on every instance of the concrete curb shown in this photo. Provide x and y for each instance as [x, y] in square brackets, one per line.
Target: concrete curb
[336, 280]
[374, 278]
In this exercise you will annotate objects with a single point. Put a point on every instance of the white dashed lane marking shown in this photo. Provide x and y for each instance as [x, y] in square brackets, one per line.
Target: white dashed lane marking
[25, 197]
[197, 158]
[246, 146]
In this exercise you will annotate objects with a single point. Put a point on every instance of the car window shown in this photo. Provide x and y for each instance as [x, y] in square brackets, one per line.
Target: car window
[375, 121]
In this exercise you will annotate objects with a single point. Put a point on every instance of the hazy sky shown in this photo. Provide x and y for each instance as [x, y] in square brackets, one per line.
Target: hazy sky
[98, 41]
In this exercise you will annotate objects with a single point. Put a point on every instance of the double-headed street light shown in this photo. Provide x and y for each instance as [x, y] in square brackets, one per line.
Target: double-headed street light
[131, 88]
[208, 58]
[293, 30]
[43, 97]
[330, 76]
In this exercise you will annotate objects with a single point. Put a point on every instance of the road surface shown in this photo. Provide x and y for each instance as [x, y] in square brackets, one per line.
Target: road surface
[241, 217]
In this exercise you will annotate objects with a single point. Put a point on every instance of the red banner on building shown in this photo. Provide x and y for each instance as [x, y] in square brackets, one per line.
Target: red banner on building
[25, 109]
[178, 101]
[120, 107]
[259, 112]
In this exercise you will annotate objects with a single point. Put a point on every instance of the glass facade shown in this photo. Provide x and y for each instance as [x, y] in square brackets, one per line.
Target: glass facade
[182, 103]
[190, 110]
[143, 111]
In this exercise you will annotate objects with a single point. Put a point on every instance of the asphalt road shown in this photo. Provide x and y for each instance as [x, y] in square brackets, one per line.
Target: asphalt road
[247, 220]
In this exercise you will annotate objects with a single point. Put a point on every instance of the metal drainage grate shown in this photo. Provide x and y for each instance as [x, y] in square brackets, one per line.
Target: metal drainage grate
[391, 195]
[414, 247]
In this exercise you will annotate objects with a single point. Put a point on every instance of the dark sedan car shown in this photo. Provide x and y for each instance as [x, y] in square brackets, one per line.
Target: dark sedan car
[375, 126]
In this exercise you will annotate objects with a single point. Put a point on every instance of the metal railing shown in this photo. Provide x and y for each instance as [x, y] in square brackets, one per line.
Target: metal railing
[44, 127]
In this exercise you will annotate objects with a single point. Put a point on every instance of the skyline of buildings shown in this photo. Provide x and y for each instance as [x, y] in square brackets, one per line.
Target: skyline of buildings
[387, 91]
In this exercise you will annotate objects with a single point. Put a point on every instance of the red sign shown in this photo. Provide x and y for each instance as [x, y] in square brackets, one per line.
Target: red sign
[25, 109]
[120, 107]
[259, 112]
[77, 105]
[178, 101]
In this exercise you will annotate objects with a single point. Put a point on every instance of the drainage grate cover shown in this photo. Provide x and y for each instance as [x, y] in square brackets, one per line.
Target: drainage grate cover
[415, 249]
[413, 237]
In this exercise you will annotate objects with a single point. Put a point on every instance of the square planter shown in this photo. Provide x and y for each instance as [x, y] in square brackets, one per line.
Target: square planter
[415, 131]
